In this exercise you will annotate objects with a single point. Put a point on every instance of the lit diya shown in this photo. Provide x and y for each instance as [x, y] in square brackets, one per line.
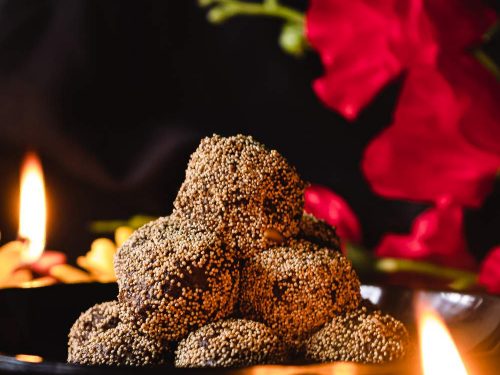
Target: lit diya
[23, 258]
[26, 263]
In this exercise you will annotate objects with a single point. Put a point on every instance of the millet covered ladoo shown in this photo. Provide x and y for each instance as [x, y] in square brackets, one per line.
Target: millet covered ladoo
[236, 275]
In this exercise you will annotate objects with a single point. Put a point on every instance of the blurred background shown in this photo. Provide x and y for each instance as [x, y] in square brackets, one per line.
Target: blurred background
[115, 95]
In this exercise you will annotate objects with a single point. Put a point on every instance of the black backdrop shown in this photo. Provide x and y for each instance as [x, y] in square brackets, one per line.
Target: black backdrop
[114, 95]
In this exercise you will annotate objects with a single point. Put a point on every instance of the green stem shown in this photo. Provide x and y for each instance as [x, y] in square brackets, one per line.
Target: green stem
[483, 58]
[225, 9]
[487, 62]
[460, 279]
[464, 282]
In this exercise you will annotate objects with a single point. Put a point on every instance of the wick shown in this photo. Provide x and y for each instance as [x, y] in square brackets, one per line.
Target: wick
[25, 241]
[25, 244]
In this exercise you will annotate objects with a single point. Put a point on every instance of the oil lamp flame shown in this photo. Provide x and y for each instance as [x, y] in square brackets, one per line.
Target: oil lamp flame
[439, 353]
[33, 210]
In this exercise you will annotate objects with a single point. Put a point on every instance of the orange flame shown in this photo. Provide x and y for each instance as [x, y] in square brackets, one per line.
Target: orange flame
[439, 353]
[33, 209]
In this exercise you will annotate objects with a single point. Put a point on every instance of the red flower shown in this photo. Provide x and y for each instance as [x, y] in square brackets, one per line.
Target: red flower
[489, 275]
[436, 236]
[328, 206]
[445, 136]
[423, 155]
[363, 45]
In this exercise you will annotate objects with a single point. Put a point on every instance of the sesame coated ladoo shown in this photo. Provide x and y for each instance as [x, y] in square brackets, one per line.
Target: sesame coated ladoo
[364, 335]
[319, 232]
[238, 186]
[298, 287]
[175, 276]
[230, 343]
[99, 337]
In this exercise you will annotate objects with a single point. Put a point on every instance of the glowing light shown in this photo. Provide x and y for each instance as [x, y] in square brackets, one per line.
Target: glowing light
[33, 209]
[439, 353]
[29, 358]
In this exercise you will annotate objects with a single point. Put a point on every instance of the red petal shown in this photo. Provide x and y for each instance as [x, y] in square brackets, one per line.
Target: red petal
[489, 276]
[459, 23]
[330, 207]
[436, 236]
[481, 122]
[423, 155]
[363, 45]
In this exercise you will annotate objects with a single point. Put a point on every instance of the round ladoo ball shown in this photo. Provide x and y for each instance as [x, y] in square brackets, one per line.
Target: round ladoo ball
[363, 335]
[97, 319]
[175, 276]
[98, 337]
[296, 289]
[230, 343]
[318, 232]
[237, 185]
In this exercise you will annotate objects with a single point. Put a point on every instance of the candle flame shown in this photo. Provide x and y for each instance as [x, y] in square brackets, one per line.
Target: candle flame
[439, 353]
[33, 210]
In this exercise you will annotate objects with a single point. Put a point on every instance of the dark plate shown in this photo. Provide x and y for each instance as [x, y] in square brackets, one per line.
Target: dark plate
[36, 321]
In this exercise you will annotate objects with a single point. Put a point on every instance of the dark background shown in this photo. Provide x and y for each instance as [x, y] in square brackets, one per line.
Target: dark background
[115, 95]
